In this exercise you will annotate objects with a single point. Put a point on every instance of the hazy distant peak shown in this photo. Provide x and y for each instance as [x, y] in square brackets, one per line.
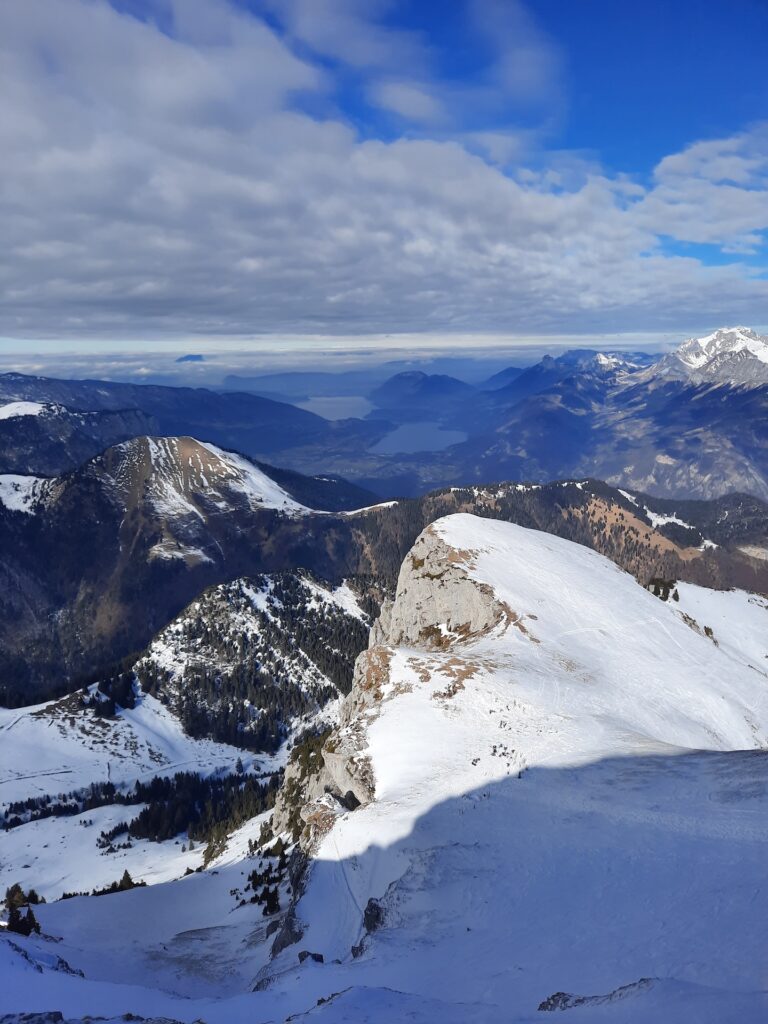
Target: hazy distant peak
[729, 355]
[697, 352]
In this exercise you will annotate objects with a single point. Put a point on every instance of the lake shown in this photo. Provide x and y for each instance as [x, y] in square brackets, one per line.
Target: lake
[417, 437]
[337, 407]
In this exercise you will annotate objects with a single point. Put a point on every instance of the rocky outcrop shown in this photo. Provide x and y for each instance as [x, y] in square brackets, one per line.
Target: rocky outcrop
[437, 604]
[436, 599]
[568, 1001]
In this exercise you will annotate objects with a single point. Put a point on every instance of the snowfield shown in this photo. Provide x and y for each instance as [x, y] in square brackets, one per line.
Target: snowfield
[58, 855]
[570, 814]
[51, 748]
[21, 493]
[11, 410]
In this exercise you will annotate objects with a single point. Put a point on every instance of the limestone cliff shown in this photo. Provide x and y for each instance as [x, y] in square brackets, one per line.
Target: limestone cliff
[437, 604]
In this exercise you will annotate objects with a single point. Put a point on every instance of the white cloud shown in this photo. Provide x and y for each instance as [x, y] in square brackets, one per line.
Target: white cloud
[714, 192]
[410, 101]
[165, 183]
[525, 64]
[351, 31]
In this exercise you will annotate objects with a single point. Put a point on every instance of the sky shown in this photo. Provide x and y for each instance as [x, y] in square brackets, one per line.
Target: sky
[312, 175]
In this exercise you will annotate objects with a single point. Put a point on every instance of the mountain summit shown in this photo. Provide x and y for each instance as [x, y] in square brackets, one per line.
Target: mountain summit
[730, 355]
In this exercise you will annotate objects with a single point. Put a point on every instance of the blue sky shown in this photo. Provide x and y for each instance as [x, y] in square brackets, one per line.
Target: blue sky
[481, 171]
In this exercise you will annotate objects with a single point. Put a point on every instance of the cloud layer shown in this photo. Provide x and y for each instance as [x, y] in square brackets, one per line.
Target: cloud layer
[212, 171]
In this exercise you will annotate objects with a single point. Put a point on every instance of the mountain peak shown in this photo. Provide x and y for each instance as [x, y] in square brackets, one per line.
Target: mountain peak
[698, 352]
[729, 355]
[176, 474]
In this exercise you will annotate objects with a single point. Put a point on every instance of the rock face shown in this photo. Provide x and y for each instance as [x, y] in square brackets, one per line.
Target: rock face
[435, 598]
[436, 605]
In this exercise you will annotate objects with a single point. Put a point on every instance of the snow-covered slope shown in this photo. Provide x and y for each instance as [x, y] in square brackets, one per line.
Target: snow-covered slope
[563, 786]
[23, 493]
[553, 751]
[10, 410]
[735, 355]
[56, 747]
[178, 473]
[58, 750]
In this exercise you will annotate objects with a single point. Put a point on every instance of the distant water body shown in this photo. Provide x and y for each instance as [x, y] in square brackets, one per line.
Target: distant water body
[338, 407]
[417, 437]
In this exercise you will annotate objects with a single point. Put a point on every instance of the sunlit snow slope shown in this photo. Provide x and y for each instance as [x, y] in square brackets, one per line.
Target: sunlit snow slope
[566, 810]
[570, 790]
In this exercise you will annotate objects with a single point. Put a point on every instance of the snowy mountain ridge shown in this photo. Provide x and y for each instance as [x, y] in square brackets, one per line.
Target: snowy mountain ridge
[553, 773]
[698, 351]
[526, 710]
[729, 355]
[177, 474]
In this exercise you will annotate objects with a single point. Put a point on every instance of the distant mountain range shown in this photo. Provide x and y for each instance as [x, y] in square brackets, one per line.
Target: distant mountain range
[691, 424]
[246, 422]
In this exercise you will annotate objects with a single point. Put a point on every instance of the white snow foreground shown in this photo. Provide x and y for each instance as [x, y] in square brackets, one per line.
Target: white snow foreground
[568, 811]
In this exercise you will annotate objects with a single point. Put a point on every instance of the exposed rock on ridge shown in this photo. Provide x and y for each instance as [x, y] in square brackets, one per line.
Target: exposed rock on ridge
[437, 604]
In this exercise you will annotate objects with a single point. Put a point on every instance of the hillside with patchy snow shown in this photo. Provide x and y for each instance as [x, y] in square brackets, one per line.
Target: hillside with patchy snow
[554, 773]
[258, 659]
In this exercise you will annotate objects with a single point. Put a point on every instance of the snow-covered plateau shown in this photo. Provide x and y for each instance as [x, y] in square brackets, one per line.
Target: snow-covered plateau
[560, 787]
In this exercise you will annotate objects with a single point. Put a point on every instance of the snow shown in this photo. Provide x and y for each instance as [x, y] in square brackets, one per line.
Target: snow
[260, 598]
[342, 596]
[634, 735]
[367, 508]
[659, 519]
[59, 854]
[260, 489]
[180, 470]
[52, 748]
[170, 549]
[568, 819]
[697, 352]
[21, 493]
[12, 410]
[738, 619]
